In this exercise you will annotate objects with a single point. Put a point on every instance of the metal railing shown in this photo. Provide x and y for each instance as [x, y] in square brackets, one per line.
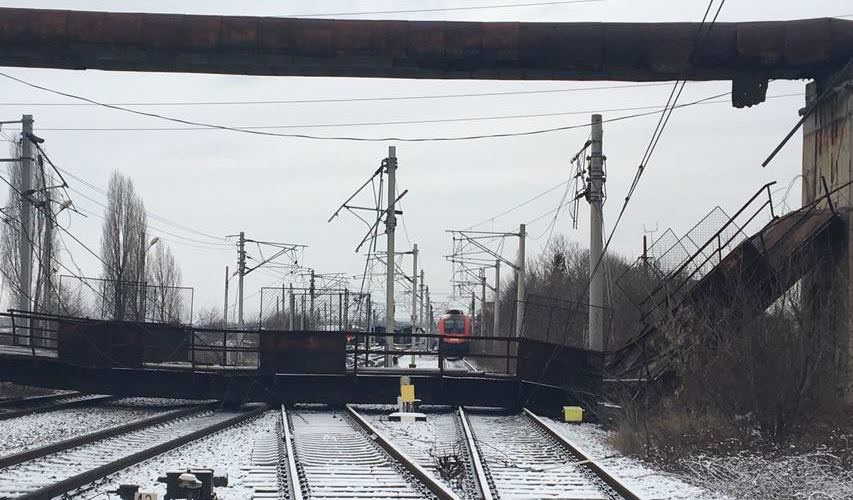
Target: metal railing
[365, 349]
[122, 344]
[677, 283]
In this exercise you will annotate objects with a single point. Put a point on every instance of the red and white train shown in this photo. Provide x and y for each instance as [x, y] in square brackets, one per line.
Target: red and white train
[455, 327]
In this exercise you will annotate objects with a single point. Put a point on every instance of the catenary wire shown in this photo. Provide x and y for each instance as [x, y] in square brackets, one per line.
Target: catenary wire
[655, 109]
[344, 99]
[448, 9]
[148, 212]
[665, 116]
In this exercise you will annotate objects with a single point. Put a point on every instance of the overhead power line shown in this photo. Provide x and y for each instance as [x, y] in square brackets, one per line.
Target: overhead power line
[150, 214]
[193, 242]
[336, 138]
[516, 207]
[663, 120]
[333, 100]
[656, 108]
[447, 9]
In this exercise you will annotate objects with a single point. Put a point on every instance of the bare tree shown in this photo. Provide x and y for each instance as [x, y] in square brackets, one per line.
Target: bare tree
[123, 248]
[164, 278]
[10, 262]
[209, 317]
[41, 236]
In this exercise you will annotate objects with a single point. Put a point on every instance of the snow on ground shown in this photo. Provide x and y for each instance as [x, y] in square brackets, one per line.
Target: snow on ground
[430, 362]
[423, 362]
[31, 431]
[226, 452]
[648, 483]
[817, 476]
[167, 403]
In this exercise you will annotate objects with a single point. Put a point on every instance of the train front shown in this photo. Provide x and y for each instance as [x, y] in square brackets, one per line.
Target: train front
[454, 326]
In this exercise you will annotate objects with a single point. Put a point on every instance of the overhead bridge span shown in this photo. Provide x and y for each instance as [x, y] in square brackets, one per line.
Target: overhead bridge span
[748, 54]
[125, 358]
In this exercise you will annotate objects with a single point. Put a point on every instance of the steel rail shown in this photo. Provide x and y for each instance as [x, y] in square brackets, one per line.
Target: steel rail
[294, 487]
[56, 406]
[42, 451]
[484, 485]
[583, 459]
[436, 488]
[6, 403]
[67, 485]
[471, 367]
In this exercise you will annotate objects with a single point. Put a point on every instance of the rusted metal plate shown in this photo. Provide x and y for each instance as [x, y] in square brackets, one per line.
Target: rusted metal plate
[239, 32]
[119, 29]
[203, 34]
[14, 24]
[162, 31]
[121, 344]
[761, 43]
[49, 27]
[810, 43]
[422, 49]
[302, 352]
[578, 371]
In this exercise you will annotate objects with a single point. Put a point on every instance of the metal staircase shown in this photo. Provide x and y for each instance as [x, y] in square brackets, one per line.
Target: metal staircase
[731, 277]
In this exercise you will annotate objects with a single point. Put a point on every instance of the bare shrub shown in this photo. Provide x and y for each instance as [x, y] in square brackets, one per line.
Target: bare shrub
[449, 463]
[812, 476]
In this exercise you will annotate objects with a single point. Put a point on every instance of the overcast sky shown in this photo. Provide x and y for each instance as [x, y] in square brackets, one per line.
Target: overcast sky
[280, 189]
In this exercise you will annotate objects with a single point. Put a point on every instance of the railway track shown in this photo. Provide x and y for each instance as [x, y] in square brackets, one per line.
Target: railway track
[42, 404]
[7, 402]
[438, 445]
[315, 454]
[341, 455]
[519, 456]
[265, 474]
[55, 472]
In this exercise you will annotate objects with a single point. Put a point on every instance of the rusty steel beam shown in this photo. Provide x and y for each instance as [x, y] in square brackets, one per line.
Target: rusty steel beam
[747, 53]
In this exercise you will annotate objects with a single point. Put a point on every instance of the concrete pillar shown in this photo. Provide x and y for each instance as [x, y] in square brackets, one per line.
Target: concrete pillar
[827, 146]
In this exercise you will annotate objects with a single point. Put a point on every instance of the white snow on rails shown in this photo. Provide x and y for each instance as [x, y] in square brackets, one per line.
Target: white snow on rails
[313, 452]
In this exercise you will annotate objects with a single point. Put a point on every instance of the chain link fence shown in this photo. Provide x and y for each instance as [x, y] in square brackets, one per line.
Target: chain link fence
[287, 308]
[672, 265]
[559, 321]
[98, 298]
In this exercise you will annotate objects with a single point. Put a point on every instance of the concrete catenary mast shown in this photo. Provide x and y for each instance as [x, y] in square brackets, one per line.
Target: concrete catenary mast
[520, 277]
[595, 196]
[390, 224]
[25, 248]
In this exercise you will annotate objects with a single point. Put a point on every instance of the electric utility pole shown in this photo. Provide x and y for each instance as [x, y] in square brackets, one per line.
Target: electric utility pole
[421, 312]
[520, 276]
[311, 289]
[496, 308]
[468, 249]
[595, 196]
[292, 302]
[25, 248]
[47, 246]
[225, 309]
[241, 271]
[390, 225]
[428, 307]
[482, 301]
[414, 301]
[414, 286]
